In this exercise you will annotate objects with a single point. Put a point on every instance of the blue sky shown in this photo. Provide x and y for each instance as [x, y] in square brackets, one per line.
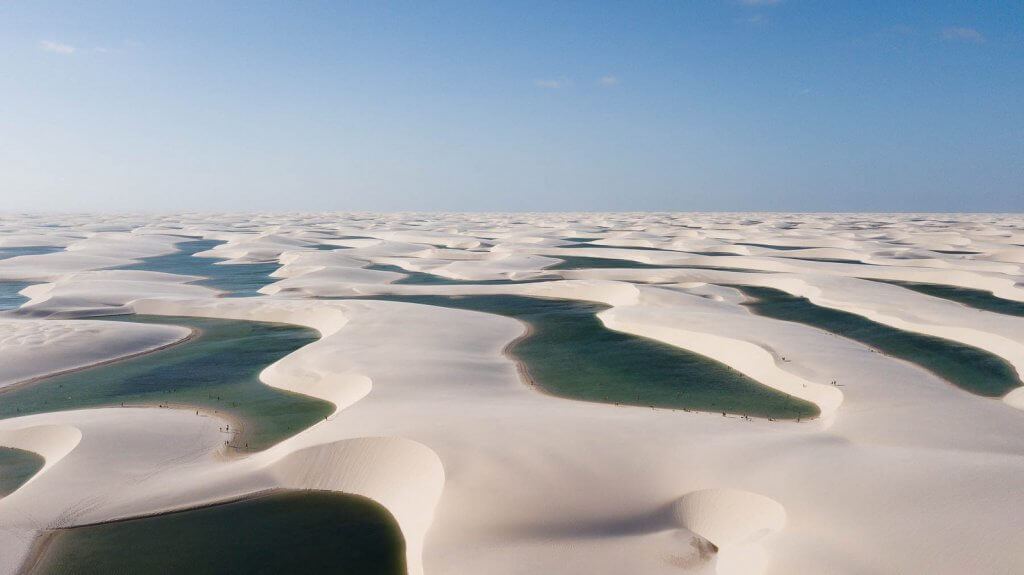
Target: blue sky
[731, 105]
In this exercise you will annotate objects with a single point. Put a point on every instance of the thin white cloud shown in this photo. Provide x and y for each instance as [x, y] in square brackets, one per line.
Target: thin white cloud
[966, 34]
[609, 80]
[553, 83]
[756, 20]
[56, 47]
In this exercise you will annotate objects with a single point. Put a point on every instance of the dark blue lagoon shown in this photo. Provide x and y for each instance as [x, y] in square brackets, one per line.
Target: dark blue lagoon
[237, 280]
[775, 247]
[586, 262]
[11, 252]
[641, 248]
[9, 296]
[423, 278]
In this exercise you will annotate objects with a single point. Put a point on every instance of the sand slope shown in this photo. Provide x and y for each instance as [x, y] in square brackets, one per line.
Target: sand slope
[903, 473]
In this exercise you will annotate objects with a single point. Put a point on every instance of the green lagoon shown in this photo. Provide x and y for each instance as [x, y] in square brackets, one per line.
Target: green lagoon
[16, 467]
[975, 298]
[278, 533]
[216, 371]
[570, 353]
[969, 368]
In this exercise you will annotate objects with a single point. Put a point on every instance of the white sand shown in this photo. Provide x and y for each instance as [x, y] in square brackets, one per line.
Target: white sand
[905, 473]
[35, 347]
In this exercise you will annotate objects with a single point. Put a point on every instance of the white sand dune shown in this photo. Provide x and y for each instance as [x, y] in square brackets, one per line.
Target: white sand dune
[404, 476]
[106, 291]
[262, 248]
[904, 473]
[52, 442]
[35, 347]
[98, 251]
[735, 521]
